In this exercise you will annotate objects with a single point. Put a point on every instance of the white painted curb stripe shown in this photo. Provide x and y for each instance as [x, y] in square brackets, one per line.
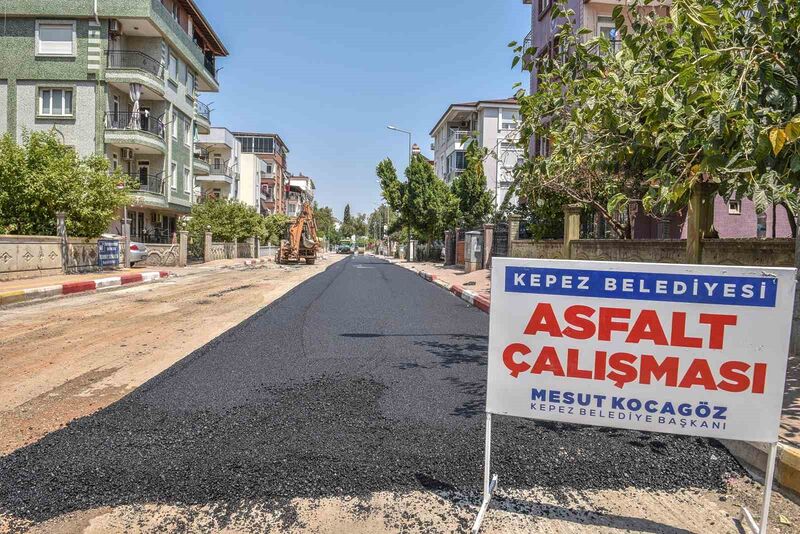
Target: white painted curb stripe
[149, 277]
[108, 282]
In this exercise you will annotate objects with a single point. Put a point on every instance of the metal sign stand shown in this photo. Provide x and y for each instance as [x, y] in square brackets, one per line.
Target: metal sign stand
[489, 480]
[490, 485]
[747, 517]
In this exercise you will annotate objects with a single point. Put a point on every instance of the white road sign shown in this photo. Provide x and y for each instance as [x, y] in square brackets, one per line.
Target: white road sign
[683, 349]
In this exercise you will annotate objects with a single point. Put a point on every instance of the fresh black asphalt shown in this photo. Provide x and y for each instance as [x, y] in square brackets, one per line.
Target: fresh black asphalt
[364, 378]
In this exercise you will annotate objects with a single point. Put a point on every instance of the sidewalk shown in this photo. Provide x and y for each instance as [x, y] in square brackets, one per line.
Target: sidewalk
[24, 290]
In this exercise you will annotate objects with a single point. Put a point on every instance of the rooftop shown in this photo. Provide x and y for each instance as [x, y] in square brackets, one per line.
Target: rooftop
[466, 106]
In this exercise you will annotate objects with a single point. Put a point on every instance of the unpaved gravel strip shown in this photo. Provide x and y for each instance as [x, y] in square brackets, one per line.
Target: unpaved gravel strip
[68, 358]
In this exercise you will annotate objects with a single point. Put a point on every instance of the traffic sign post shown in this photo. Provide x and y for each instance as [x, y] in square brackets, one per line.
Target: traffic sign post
[682, 349]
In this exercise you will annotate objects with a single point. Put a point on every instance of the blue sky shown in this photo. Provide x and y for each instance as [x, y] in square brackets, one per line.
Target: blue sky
[329, 75]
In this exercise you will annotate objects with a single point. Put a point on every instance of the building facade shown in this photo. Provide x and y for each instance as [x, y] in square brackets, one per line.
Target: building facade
[253, 170]
[275, 183]
[491, 123]
[223, 153]
[736, 218]
[123, 82]
[301, 191]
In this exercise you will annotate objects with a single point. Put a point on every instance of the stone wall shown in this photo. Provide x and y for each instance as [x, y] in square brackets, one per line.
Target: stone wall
[637, 250]
[552, 249]
[752, 252]
[23, 256]
[159, 255]
[755, 252]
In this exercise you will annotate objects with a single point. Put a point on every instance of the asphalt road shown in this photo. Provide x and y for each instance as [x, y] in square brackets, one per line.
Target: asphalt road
[364, 378]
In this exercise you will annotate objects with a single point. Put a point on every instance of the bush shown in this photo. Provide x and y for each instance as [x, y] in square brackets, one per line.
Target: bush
[226, 220]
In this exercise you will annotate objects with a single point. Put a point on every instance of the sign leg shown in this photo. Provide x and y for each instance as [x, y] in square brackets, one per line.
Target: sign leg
[773, 452]
[489, 481]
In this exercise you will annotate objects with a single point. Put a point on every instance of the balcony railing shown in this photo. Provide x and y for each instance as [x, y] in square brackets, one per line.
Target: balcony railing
[203, 111]
[133, 59]
[458, 135]
[150, 183]
[201, 153]
[223, 168]
[211, 66]
[135, 121]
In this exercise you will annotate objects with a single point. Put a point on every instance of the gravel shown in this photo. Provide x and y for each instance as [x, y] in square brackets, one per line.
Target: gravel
[364, 378]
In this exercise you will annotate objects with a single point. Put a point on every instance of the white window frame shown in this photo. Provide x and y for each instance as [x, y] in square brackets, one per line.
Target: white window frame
[173, 175]
[734, 207]
[40, 102]
[173, 63]
[187, 179]
[47, 22]
[187, 132]
[175, 117]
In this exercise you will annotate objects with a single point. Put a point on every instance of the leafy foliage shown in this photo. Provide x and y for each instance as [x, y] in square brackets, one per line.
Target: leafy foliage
[423, 202]
[326, 223]
[42, 176]
[475, 202]
[704, 98]
[230, 219]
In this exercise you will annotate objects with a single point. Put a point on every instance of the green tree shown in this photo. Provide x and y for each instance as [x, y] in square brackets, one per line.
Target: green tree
[326, 223]
[702, 102]
[275, 226]
[227, 220]
[475, 202]
[42, 176]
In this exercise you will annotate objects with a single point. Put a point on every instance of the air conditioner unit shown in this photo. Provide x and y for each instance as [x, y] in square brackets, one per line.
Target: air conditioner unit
[114, 28]
[127, 154]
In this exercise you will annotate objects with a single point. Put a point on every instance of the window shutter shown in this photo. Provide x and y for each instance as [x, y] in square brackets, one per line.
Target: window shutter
[55, 39]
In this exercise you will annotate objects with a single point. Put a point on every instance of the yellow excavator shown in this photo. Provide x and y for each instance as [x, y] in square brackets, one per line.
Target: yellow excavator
[302, 242]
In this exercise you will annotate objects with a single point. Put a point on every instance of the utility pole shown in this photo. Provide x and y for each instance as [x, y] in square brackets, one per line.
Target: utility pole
[408, 184]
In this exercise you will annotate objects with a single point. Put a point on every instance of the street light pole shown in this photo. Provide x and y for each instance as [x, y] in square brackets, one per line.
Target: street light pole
[408, 184]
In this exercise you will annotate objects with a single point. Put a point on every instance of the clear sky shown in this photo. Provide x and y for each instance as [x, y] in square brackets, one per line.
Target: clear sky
[329, 75]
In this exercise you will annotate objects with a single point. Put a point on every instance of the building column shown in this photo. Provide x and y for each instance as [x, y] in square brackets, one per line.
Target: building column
[183, 248]
[572, 227]
[207, 247]
[61, 231]
[513, 233]
[488, 242]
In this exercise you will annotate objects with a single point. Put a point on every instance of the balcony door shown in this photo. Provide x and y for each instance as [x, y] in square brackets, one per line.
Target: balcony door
[144, 172]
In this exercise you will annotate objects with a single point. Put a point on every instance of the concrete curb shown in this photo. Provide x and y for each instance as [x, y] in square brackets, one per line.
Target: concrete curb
[752, 455]
[72, 288]
[479, 301]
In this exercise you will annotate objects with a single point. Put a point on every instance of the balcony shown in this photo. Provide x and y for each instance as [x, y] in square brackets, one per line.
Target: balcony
[452, 174]
[131, 66]
[210, 64]
[456, 140]
[203, 117]
[149, 183]
[220, 172]
[200, 161]
[138, 131]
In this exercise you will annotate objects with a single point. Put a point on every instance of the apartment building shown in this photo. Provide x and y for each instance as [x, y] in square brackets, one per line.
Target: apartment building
[274, 184]
[223, 152]
[122, 79]
[301, 191]
[253, 170]
[736, 218]
[492, 124]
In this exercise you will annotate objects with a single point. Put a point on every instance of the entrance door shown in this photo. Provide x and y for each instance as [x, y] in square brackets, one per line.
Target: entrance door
[145, 119]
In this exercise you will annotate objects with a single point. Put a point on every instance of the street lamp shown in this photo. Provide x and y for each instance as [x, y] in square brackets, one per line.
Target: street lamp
[410, 155]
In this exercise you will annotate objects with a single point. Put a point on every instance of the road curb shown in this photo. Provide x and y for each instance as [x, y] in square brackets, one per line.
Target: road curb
[76, 288]
[752, 455]
[481, 302]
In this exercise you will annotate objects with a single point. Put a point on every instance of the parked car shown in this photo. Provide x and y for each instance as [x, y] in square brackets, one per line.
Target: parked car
[138, 252]
[344, 249]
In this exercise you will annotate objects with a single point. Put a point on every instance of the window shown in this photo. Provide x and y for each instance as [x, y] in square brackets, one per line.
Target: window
[543, 6]
[190, 83]
[260, 145]
[173, 175]
[269, 168]
[734, 207]
[55, 38]
[114, 162]
[187, 179]
[508, 120]
[187, 132]
[175, 118]
[55, 102]
[173, 67]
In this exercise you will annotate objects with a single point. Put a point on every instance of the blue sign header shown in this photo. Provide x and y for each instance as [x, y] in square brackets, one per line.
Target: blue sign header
[662, 287]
